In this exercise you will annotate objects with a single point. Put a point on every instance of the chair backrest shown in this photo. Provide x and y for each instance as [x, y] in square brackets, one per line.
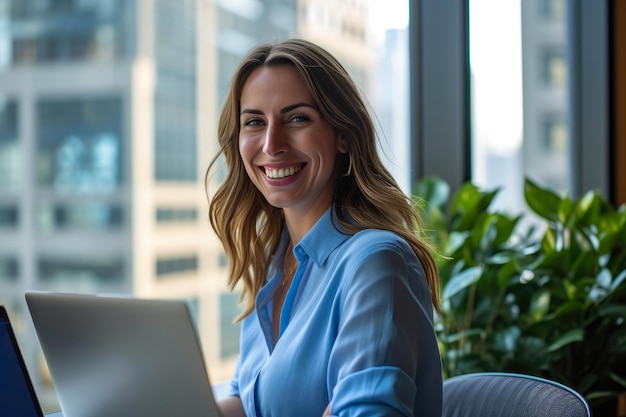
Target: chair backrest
[497, 394]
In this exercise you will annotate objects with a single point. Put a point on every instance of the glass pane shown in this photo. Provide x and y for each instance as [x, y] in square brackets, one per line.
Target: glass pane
[519, 97]
[9, 269]
[9, 146]
[9, 216]
[79, 216]
[172, 266]
[79, 271]
[79, 144]
[54, 31]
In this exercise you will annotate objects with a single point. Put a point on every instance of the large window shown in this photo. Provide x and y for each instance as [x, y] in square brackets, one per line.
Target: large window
[519, 96]
[512, 89]
[80, 144]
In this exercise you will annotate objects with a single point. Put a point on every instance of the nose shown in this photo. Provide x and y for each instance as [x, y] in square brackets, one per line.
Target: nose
[276, 141]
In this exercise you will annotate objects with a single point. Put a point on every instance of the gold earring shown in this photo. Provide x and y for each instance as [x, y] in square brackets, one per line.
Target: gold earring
[349, 171]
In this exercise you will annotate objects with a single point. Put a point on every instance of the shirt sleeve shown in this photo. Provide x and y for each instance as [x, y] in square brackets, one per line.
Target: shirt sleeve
[385, 357]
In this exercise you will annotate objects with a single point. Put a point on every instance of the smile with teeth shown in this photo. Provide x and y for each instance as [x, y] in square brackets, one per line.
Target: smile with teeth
[276, 173]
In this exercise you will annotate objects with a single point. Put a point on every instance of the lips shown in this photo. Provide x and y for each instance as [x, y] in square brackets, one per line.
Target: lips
[282, 172]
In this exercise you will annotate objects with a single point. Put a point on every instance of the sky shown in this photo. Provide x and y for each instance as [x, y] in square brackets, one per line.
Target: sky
[389, 13]
[496, 63]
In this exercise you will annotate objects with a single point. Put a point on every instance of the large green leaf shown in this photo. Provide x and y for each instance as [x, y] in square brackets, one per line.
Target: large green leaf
[458, 336]
[609, 238]
[565, 210]
[618, 280]
[599, 395]
[505, 227]
[587, 208]
[574, 335]
[468, 204]
[542, 201]
[455, 241]
[613, 310]
[461, 281]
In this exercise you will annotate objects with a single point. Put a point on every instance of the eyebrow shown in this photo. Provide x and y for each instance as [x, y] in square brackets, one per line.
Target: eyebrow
[282, 111]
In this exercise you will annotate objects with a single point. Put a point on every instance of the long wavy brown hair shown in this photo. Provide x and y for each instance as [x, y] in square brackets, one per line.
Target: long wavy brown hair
[366, 195]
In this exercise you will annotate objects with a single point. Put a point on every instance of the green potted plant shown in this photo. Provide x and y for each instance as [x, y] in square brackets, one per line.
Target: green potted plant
[548, 300]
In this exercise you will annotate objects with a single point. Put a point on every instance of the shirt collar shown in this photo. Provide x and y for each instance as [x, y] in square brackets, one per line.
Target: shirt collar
[323, 238]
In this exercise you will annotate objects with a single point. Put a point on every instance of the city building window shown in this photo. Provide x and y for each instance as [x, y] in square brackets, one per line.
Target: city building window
[9, 145]
[554, 68]
[554, 137]
[52, 31]
[552, 9]
[9, 269]
[176, 215]
[171, 266]
[79, 270]
[79, 145]
[80, 216]
[9, 217]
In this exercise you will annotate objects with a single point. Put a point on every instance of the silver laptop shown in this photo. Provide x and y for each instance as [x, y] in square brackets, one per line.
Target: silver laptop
[119, 357]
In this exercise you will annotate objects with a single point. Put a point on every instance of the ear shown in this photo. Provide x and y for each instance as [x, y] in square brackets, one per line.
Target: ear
[342, 144]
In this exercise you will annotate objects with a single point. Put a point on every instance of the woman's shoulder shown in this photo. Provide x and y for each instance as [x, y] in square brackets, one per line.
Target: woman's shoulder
[383, 259]
[377, 239]
[370, 246]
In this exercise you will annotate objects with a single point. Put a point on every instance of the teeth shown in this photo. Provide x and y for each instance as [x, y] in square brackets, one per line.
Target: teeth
[281, 172]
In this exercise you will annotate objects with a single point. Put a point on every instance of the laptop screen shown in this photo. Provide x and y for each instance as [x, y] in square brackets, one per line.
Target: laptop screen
[17, 397]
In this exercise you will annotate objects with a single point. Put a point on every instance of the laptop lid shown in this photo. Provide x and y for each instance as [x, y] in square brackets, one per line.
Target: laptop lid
[113, 356]
[17, 395]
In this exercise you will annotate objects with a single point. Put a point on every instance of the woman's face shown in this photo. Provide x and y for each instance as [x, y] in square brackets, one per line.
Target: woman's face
[288, 149]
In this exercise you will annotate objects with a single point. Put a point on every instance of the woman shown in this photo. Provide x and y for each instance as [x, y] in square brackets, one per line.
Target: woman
[338, 288]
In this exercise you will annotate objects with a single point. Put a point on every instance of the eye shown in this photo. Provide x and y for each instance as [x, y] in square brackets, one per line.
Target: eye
[298, 118]
[252, 122]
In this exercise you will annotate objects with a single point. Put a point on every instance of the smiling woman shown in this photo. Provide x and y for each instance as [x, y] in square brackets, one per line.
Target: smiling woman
[291, 154]
[336, 279]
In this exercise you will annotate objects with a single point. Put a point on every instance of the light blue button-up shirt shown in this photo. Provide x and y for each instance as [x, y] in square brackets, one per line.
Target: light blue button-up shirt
[356, 331]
